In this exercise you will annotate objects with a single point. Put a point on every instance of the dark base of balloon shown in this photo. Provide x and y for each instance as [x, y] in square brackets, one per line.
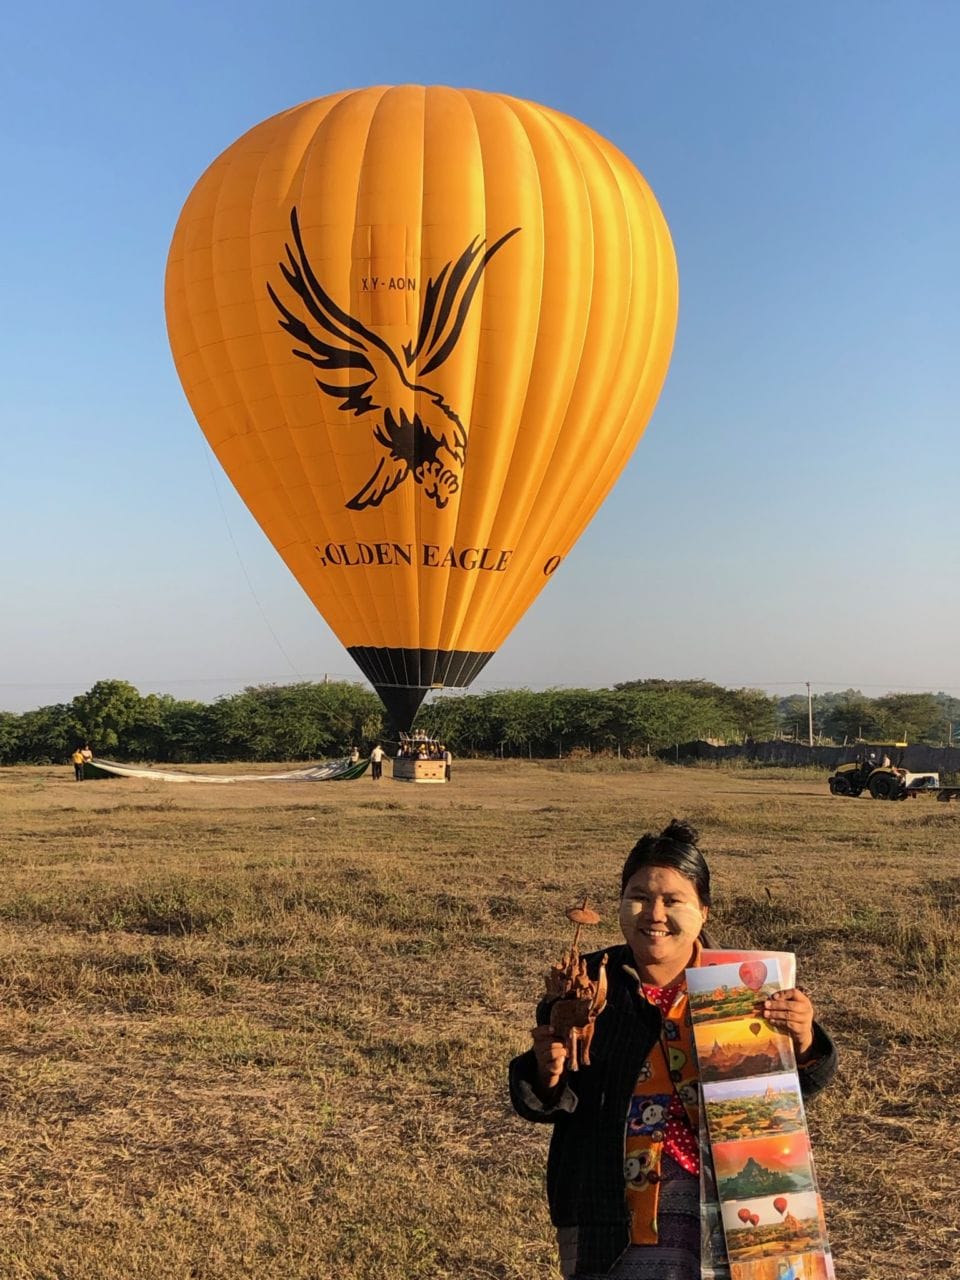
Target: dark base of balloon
[403, 677]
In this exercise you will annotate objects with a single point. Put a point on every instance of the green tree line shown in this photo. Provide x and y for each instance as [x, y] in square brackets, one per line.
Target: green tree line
[309, 721]
[643, 716]
[271, 722]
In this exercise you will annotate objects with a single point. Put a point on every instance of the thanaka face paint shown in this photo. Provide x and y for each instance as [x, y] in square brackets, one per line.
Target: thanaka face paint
[661, 917]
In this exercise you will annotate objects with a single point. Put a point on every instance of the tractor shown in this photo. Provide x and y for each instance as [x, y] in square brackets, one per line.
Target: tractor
[872, 771]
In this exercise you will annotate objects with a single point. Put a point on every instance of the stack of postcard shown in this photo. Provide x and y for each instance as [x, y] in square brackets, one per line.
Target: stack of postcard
[758, 1170]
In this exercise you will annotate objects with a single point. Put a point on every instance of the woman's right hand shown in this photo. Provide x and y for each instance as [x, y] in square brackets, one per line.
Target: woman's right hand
[551, 1057]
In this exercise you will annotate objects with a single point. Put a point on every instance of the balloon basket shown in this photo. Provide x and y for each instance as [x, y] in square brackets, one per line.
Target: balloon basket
[405, 770]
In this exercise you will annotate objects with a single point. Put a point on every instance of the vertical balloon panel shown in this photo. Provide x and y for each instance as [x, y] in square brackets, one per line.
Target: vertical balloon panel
[422, 329]
[511, 319]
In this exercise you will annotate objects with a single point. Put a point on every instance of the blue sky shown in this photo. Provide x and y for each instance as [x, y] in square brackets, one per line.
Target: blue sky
[792, 512]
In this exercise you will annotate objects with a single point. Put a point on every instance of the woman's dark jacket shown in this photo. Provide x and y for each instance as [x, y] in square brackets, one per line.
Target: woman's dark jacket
[585, 1176]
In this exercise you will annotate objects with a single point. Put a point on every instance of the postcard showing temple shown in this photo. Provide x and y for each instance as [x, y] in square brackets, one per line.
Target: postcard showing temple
[753, 1108]
[746, 1047]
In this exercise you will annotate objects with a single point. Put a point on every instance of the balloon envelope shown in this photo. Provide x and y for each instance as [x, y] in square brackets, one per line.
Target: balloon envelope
[423, 330]
[753, 974]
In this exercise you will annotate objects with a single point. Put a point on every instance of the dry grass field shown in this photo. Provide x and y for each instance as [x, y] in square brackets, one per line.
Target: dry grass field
[262, 1030]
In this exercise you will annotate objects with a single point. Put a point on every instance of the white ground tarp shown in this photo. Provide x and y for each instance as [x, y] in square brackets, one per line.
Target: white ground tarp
[332, 771]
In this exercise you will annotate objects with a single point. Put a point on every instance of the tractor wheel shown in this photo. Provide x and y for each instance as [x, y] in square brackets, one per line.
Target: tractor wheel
[839, 786]
[856, 791]
[882, 788]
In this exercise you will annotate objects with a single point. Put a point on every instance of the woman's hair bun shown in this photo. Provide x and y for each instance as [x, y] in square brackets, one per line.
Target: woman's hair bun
[681, 832]
[676, 847]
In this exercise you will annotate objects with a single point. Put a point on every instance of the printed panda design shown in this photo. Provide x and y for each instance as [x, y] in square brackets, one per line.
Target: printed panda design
[637, 1168]
[648, 1116]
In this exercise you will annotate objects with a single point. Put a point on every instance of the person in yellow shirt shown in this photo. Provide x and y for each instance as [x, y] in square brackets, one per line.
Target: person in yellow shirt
[77, 761]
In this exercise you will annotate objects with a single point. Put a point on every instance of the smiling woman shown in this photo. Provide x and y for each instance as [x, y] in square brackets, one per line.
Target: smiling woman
[623, 1172]
[664, 902]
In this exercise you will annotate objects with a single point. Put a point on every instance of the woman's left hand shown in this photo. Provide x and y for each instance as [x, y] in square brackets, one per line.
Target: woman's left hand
[792, 1012]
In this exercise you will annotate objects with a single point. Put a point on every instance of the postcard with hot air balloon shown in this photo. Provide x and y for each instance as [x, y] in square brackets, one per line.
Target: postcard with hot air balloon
[724, 991]
[753, 1108]
[712, 956]
[755, 1230]
[741, 1048]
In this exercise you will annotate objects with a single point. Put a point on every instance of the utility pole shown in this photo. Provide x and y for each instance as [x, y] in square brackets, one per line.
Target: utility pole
[809, 716]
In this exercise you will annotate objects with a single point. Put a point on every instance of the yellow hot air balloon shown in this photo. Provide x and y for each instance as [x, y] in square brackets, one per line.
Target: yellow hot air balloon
[423, 330]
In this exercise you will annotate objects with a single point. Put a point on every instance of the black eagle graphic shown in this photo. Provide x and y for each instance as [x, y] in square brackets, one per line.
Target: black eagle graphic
[373, 379]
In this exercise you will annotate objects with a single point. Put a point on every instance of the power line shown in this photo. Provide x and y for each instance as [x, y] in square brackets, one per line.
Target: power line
[798, 685]
[354, 677]
[321, 676]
